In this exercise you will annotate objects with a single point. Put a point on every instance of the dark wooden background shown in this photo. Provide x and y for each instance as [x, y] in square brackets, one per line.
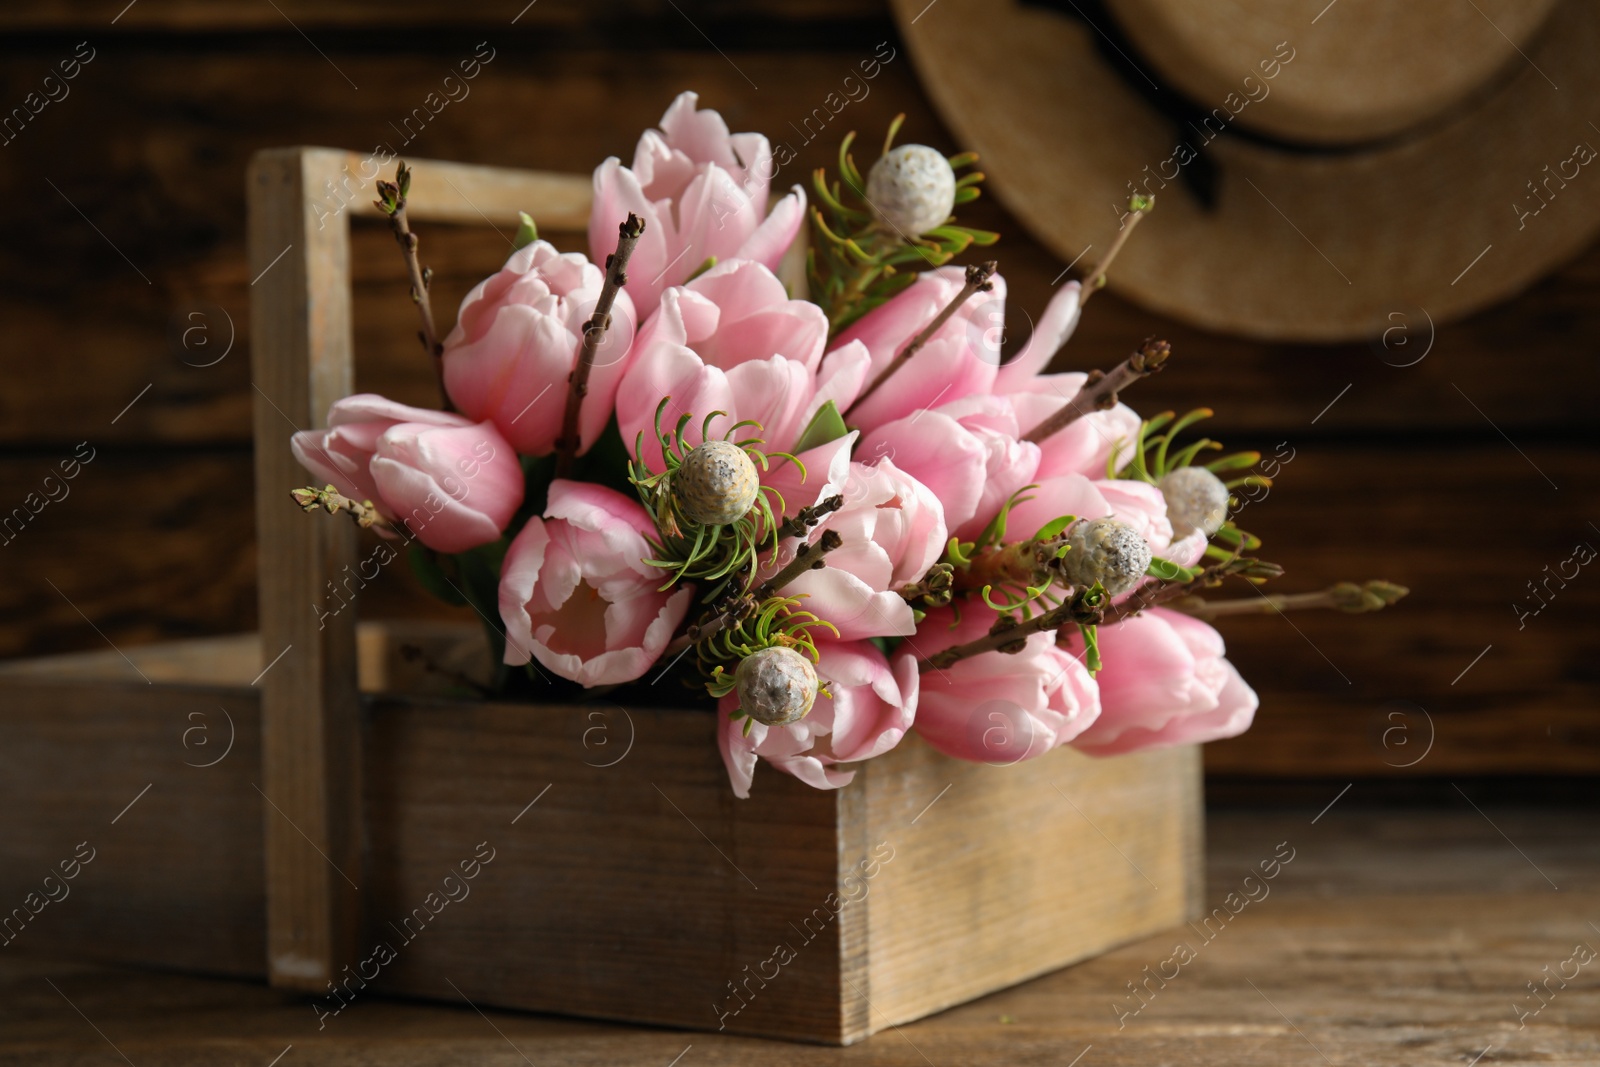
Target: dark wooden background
[124, 228]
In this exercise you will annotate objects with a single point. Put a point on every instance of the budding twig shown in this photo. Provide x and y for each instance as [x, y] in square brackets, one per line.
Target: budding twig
[977, 281]
[1020, 563]
[329, 499]
[735, 609]
[1010, 636]
[1348, 597]
[392, 202]
[699, 632]
[1099, 393]
[934, 589]
[594, 332]
[1152, 593]
[1095, 280]
[806, 559]
[801, 522]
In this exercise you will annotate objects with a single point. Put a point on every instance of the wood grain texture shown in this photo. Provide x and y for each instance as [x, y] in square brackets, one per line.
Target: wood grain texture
[1019, 870]
[216, 108]
[301, 353]
[310, 716]
[605, 845]
[177, 878]
[1394, 938]
[203, 16]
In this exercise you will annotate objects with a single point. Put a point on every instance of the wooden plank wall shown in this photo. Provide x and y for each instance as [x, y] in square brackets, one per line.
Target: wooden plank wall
[125, 278]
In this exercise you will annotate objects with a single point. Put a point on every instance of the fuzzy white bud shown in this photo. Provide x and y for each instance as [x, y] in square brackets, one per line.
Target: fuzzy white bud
[1107, 551]
[777, 685]
[1196, 500]
[912, 188]
[716, 485]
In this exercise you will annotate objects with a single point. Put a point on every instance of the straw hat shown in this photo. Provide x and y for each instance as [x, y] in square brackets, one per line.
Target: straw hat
[1361, 158]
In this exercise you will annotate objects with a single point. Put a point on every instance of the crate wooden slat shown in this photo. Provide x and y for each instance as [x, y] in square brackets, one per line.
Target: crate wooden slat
[301, 202]
[637, 890]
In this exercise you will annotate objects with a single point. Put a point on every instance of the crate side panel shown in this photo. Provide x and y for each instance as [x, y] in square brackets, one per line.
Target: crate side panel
[1015, 871]
[626, 880]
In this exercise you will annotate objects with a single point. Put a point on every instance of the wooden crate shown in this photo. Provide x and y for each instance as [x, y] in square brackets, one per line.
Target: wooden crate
[614, 873]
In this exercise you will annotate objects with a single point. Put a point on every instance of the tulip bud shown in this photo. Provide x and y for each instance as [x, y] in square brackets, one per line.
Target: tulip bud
[913, 189]
[716, 485]
[1196, 500]
[1107, 551]
[777, 685]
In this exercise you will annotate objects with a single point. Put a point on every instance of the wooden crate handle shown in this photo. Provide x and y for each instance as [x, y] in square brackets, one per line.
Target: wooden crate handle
[300, 204]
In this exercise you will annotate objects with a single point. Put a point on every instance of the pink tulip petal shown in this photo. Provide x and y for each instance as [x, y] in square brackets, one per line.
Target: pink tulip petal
[1055, 326]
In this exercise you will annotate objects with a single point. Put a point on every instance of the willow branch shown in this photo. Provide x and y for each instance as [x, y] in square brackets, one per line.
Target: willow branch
[1020, 563]
[741, 607]
[1099, 393]
[594, 332]
[1152, 593]
[801, 522]
[1010, 636]
[1348, 597]
[392, 202]
[977, 281]
[1095, 280]
[808, 558]
[329, 499]
[936, 588]
[697, 633]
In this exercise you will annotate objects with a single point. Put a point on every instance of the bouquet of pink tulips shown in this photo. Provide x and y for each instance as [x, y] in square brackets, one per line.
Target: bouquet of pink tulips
[842, 516]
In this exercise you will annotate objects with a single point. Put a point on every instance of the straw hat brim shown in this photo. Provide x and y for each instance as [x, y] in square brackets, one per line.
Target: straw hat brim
[1298, 245]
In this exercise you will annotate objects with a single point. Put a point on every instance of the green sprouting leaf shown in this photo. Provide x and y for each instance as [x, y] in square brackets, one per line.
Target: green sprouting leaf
[958, 553]
[1055, 528]
[825, 426]
[1091, 646]
[1169, 571]
[527, 232]
[1188, 420]
[1230, 534]
[1237, 462]
[995, 532]
[710, 261]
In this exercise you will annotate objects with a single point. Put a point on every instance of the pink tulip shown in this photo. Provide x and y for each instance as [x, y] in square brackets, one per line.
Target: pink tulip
[576, 594]
[454, 484]
[872, 706]
[893, 530]
[827, 470]
[1165, 683]
[516, 341]
[960, 360]
[342, 453]
[732, 341]
[996, 707]
[1055, 326]
[1083, 446]
[455, 487]
[701, 192]
[967, 452]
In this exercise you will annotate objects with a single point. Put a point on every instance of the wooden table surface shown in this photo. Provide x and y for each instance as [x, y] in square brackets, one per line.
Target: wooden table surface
[1397, 936]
